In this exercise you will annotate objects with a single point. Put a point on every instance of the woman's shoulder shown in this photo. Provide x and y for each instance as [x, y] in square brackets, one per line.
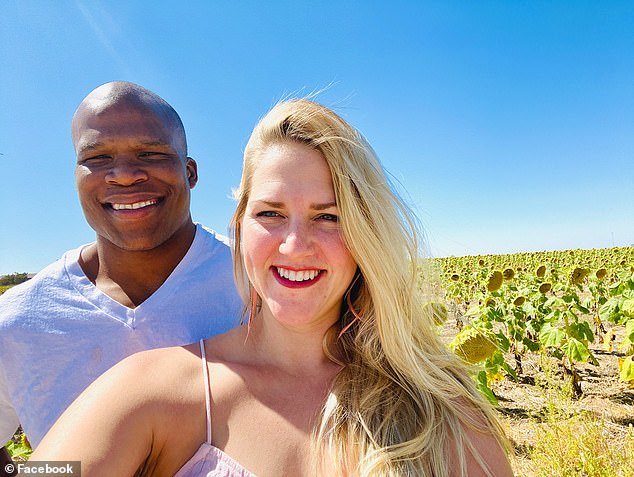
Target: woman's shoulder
[164, 361]
[224, 348]
[161, 376]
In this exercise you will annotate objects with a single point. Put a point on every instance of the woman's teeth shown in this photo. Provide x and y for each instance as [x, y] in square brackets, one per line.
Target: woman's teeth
[299, 276]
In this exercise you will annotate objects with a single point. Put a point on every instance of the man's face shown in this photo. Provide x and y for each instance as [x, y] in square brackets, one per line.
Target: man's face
[133, 177]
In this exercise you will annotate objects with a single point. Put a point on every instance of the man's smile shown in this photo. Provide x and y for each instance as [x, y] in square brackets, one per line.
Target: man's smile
[134, 206]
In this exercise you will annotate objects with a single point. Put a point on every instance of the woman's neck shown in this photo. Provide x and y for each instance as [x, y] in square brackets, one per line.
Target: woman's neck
[295, 351]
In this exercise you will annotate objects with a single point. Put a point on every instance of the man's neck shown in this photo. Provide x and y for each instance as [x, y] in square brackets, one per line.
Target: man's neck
[131, 277]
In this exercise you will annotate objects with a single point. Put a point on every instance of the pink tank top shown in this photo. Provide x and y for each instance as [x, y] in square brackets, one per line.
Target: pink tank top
[208, 460]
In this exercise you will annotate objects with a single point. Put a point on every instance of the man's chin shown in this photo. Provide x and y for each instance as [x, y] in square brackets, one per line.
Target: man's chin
[132, 244]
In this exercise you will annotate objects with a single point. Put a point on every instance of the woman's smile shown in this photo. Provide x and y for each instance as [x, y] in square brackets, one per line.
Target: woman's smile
[296, 278]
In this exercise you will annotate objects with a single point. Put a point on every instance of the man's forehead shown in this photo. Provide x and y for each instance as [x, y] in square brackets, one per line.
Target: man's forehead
[90, 137]
[109, 114]
[120, 117]
[123, 106]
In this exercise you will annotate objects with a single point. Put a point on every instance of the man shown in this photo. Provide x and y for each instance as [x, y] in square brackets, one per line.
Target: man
[153, 278]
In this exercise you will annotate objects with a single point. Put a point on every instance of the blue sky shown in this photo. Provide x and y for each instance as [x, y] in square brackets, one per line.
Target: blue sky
[508, 124]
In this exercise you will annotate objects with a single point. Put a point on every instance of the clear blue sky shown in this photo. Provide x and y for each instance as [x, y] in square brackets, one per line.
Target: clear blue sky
[510, 124]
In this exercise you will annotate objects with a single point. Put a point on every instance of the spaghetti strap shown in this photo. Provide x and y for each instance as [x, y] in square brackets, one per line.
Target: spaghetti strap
[207, 390]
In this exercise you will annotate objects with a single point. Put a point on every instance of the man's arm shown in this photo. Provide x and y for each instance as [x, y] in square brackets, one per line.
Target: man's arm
[7, 469]
[126, 425]
[8, 424]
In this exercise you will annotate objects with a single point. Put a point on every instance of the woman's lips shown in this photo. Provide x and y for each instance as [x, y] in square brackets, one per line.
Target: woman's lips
[297, 278]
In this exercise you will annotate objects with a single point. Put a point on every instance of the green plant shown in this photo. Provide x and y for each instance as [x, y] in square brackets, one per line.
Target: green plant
[19, 448]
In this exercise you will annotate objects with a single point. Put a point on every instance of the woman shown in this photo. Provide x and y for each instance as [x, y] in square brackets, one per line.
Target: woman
[338, 371]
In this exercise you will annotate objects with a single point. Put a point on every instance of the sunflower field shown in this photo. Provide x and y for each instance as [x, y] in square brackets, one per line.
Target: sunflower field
[555, 302]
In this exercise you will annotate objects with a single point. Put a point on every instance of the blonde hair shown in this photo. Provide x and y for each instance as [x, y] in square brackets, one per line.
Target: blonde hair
[402, 400]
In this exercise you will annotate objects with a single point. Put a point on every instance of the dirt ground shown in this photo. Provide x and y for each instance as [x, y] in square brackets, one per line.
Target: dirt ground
[522, 404]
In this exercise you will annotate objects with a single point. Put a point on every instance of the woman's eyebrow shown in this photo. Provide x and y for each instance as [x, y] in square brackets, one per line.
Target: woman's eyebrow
[324, 206]
[280, 205]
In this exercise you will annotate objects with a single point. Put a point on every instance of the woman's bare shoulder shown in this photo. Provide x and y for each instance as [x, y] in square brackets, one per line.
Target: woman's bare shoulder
[485, 450]
[227, 347]
[134, 406]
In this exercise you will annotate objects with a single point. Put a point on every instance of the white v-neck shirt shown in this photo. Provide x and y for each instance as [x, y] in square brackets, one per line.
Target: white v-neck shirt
[59, 332]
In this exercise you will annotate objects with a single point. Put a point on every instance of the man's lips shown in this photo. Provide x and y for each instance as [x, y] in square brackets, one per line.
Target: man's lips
[134, 205]
[131, 203]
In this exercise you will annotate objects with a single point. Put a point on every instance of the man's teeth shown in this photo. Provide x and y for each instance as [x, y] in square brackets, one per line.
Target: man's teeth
[136, 205]
[300, 276]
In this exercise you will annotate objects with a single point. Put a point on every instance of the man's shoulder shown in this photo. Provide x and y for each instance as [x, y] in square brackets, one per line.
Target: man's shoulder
[23, 297]
[212, 237]
[210, 247]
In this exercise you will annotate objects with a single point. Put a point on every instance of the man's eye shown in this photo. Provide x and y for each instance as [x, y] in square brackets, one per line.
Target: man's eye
[150, 154]
[100, 157]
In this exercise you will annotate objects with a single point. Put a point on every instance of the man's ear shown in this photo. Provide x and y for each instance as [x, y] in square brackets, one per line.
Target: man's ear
[192, 172]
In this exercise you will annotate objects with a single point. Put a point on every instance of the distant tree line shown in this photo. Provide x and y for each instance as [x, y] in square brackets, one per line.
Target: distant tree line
[13, 279]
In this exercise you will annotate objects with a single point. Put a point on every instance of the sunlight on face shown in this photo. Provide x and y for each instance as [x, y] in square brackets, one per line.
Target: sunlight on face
[294, 253]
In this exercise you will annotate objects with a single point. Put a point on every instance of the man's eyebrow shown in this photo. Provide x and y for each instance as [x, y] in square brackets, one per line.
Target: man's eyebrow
[89, 146]
[156, 142]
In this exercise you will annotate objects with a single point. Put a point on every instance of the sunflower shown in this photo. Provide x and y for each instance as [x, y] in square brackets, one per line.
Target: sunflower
[579, 275]
[473, 345]
[495, 281]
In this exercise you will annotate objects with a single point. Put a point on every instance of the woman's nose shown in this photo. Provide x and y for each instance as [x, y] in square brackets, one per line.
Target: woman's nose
[297, 241]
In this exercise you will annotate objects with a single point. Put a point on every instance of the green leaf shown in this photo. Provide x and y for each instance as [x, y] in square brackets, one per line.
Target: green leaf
[18, 450]
[627, 369]
[581, 331]
[507, 367]
[616, 289]
[628, 340]
[553, 301]
[627, 307]
[583, 309]
[503, 341]
[531, 345]
[610, 311]
[474, 310]
[551, 336]
[576, 350]
[482, 385]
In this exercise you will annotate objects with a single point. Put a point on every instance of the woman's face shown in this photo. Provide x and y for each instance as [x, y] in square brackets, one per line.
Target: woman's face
[292, 246]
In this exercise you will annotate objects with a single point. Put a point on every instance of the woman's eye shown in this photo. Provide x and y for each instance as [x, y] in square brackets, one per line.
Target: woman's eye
[329, 217]
[267, 213]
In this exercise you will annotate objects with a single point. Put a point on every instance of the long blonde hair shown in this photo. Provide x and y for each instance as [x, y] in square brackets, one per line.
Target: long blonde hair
[402, 401]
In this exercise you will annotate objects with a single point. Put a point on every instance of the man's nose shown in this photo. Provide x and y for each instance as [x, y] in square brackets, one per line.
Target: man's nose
[126, 171]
